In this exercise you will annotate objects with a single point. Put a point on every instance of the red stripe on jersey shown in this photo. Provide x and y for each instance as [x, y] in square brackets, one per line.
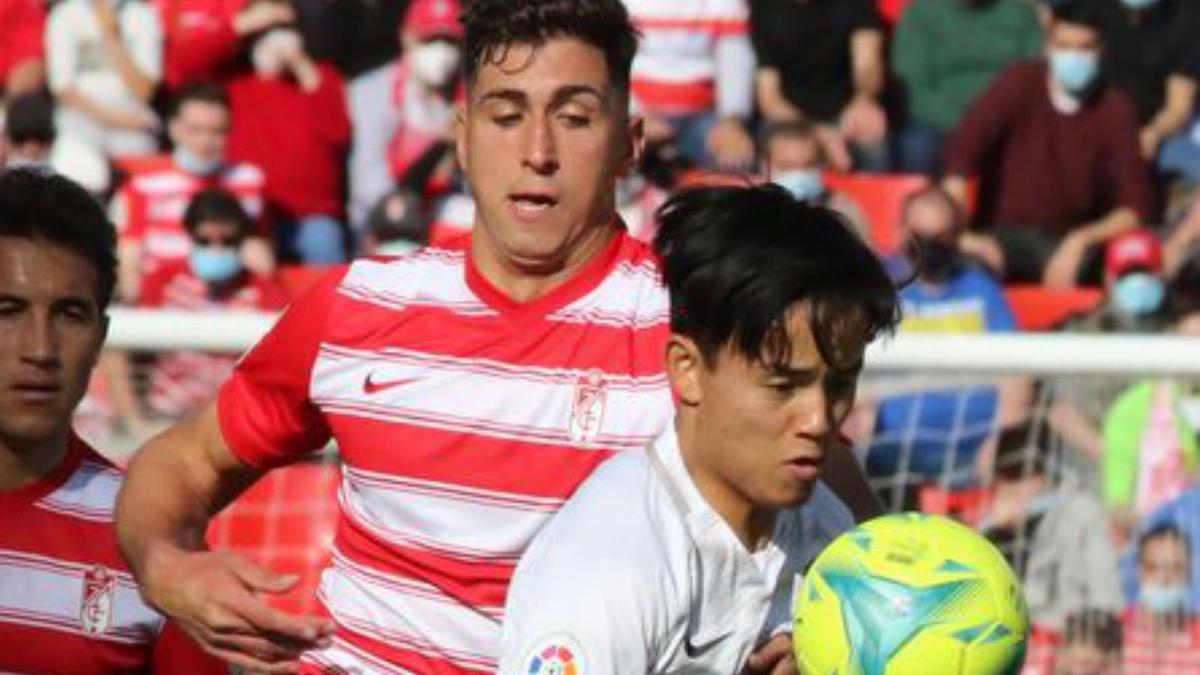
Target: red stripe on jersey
[675, 98]
[437, 455]
[697, 25]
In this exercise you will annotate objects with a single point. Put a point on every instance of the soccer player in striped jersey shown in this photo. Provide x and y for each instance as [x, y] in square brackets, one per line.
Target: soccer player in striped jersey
[68, 604]
[469, 390]
[684, 558]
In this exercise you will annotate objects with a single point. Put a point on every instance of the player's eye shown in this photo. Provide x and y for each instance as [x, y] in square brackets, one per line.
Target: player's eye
[507, 119]
[576, 121]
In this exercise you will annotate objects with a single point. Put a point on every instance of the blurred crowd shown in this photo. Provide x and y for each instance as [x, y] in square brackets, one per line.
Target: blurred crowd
[983, 146]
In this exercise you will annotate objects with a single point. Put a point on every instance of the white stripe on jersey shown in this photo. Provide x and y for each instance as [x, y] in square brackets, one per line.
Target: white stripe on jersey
[88, 494]
[430, 277]
[50, 594]
[497, 530]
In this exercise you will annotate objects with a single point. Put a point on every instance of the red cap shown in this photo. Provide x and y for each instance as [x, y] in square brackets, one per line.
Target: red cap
[1137, 249]
[427, 19]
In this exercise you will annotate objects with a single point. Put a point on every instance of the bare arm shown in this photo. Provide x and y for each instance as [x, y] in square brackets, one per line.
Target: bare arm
[175, 484]
[769, 91]
[138, 82]
[866, 58]
[1175, 113]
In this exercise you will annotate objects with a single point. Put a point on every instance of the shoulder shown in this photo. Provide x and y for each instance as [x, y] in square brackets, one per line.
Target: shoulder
[822, 518]
[90, 492]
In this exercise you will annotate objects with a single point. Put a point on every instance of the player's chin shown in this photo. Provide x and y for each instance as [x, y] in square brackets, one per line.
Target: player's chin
[787, 494]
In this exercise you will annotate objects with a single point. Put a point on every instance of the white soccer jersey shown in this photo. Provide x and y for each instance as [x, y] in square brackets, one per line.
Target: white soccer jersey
[638, 574]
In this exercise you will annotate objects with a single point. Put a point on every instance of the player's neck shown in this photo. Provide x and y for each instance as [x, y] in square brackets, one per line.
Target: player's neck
[526, 281]
[751, 525]
[23, 464]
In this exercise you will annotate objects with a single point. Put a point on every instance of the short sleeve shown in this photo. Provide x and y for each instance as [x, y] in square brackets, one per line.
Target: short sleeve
[582, 593]
[267, 418]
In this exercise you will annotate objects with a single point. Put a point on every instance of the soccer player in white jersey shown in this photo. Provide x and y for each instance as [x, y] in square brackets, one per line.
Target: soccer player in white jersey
[469, 392]
[683, 558]
[68, 605]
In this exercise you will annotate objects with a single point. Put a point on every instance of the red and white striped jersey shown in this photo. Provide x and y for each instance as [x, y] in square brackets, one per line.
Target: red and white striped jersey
[1144, 653]
[464, 420]
[68, 605]
[675, 70]
[149, 206]
[182, 382]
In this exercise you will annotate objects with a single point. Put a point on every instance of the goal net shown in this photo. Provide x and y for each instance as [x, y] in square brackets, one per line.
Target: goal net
[1066, 451]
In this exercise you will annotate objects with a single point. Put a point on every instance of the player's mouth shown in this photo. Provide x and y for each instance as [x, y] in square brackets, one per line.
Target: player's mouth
[532, 205]
[805, 468]
[35, 391]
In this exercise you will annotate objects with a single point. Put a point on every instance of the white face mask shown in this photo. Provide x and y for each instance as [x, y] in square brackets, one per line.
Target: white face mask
[269, 51]
[435, 62]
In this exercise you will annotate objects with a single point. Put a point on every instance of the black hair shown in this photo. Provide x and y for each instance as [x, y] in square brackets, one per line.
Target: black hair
[215, 204]
[199, 92]
[1023, 449]
[1093, 627]
[1167, 530]
[44, 206]
[1078, 12]
[493, 26]
[737, 261]
[30, 118]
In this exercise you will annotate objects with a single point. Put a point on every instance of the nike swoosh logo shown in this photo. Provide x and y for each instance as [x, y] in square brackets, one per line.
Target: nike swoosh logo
[370, 386]
[694, 652]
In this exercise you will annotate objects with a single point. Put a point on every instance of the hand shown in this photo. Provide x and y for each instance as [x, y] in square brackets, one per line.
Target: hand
[216, 599]
[1063, 269]
[730, 145]
[986, 249]
[773, 658]
[132, 120]
[262, 15]
[864, 121]
[1150, 139]
[257, 256]
[837, 152]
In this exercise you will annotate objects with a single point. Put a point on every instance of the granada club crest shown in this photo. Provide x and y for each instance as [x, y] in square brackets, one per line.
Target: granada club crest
[96, 610]
[587, 410]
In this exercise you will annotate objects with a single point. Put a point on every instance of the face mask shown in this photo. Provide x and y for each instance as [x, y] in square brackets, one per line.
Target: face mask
[1074, 70]
[189, 162]
[938, 259]
[1165, 599]
[267, 55]
[804, 184]
[215, 265]
[435, 62]
[1139, 4]
[1138, 294]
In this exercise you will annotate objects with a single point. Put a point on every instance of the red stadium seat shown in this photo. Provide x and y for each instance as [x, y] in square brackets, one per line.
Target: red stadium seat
[880, 197]
[965, 505]
[1041, 309]
[286, 523]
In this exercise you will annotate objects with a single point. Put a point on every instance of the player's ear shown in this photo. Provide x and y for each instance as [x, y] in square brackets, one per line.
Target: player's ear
[634, 146]
[684, 363]
[460, 135]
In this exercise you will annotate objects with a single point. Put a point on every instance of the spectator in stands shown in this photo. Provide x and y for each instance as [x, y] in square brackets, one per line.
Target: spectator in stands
[403, 111]
[148, 209]
[1162, 630]
[823, 61]
[28, 130]
[946, 53]
[212, 278]
[104, 61]
[398, 224]
[22, 61]
[289, 101]
[940, 435]
[1055, 149]
[1057, 537]
[693, 78]
[202, 37]
[1152, 54]
[1091, 645]
[794, 158]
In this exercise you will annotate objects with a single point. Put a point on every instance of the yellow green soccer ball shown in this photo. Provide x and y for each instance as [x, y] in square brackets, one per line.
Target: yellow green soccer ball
[910, 594]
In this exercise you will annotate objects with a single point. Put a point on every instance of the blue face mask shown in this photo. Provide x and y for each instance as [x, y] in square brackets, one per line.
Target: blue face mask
[804, 184]
[192, 164]
[215, 265]
[1074, 70]
[1165, 599]
[1139, 4]
[1138, 294]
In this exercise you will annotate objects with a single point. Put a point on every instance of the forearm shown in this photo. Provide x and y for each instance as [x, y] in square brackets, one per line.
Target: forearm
[869, 71]
[138, 83]
[1118, 221]
[1177, 107]
[173, 487]
[774, 105]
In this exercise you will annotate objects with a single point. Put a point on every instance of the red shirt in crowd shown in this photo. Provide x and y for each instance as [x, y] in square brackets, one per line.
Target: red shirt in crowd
[1173, 654]
[182, 382]
[22, 23]
[200, 40]
[68, 604]
[299, 139]
[1044, 169]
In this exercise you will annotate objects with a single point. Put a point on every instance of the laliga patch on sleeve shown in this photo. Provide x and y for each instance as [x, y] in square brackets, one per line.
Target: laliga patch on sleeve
[556, 655]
